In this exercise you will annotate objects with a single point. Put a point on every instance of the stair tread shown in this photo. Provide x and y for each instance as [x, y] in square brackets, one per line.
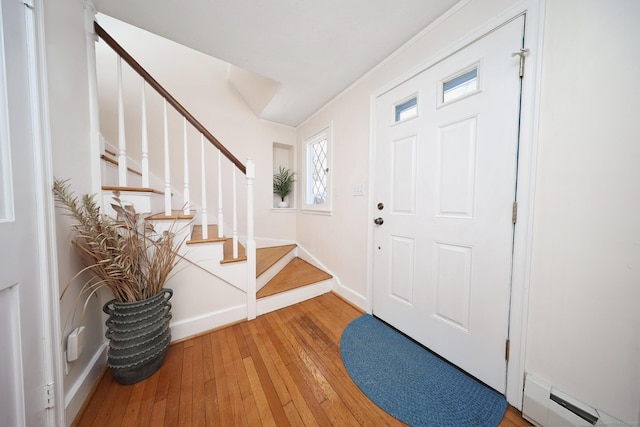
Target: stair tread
[294, 275]
[132, 189]
[196, 235]
[177, 214]
[114, 162]
[266, 257]
[227, 249]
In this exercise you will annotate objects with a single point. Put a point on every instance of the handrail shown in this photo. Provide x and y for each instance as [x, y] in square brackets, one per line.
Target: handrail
[166, 95]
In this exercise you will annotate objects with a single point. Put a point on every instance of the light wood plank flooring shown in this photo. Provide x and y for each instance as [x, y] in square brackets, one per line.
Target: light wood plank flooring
[284, 368]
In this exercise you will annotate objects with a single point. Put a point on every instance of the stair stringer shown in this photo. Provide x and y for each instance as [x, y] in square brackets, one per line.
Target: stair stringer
[202, 301]
[207, 256]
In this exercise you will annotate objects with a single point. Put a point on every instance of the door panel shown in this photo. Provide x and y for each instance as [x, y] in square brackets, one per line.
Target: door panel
[442, 262]
[456, 169]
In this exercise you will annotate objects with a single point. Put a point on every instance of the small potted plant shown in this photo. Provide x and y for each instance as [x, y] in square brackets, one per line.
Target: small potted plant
[283, 184]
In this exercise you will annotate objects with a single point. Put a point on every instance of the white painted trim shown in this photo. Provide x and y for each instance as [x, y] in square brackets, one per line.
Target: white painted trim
[534, 10]
[326, 208]
[523, 242]
[353, 297]
[46, 220]
[78, 393]
[208, 321]
[264, 242]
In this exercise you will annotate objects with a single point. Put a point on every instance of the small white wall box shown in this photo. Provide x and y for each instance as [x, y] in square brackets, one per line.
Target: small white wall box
[75, 344]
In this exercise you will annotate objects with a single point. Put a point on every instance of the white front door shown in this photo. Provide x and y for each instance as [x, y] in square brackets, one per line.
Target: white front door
[445, 180]
[23, 360]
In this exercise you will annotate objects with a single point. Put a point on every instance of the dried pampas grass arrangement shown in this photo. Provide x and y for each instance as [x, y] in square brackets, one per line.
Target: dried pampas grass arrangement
[125, 254]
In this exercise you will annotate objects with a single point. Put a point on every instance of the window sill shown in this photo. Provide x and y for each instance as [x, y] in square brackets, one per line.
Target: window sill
[316, 212]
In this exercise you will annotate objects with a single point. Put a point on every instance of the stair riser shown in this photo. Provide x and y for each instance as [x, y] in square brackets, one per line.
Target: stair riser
[286, 299]
[144, 202]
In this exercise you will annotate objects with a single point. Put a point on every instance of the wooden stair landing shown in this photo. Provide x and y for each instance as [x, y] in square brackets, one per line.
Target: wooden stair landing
[294, 275]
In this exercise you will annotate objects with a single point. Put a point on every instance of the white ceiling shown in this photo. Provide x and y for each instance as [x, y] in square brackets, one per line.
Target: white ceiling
[306, 51]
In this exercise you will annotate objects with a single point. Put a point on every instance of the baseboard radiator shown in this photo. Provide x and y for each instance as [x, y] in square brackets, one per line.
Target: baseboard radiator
[545, 406]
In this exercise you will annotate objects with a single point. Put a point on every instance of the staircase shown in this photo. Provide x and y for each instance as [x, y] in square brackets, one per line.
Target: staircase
[284, 275]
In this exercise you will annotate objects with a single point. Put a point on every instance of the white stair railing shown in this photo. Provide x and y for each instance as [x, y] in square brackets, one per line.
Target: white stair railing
[122, 144]
[188, 120]
[145, 139]
[220, 211]
[203, 182]
[235, 215]
[167, 162]
[185, 199]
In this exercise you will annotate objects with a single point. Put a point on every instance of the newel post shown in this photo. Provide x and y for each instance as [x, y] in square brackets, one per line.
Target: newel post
[251, 244]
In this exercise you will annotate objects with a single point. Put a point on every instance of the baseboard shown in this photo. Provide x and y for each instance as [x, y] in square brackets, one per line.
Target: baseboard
[205, 322]
[77, 395]
[350, 296]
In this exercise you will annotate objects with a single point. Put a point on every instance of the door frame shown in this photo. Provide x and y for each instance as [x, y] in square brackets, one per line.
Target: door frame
[534, 11]
[47, 248]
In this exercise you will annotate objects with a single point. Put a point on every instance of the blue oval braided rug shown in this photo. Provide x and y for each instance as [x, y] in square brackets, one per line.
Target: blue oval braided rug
[411, 383]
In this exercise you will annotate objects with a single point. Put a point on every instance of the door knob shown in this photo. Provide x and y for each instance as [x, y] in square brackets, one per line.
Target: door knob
[378, 221]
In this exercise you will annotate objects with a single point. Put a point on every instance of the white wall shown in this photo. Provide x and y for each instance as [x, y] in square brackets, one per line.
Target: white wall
[584, 324]
[69, 118]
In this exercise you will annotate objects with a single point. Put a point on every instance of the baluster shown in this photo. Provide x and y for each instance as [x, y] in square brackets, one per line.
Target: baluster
[122, 144]
[235, 215]
[186, 169]
[145, 140]
[205, 224]
[220, 214]
[167, 165]
[251, 244]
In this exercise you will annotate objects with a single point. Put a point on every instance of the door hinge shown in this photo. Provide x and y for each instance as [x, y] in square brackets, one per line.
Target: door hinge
[49, 396]
[28, 3]
[506, 350]
[522, 53]
[514, 212]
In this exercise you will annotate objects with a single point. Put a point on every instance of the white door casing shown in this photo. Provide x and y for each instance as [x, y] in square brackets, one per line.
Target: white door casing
[27, 355]
[442, 257]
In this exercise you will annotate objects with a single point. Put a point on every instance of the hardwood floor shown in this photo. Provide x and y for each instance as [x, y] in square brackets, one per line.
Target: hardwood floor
[284, 368]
